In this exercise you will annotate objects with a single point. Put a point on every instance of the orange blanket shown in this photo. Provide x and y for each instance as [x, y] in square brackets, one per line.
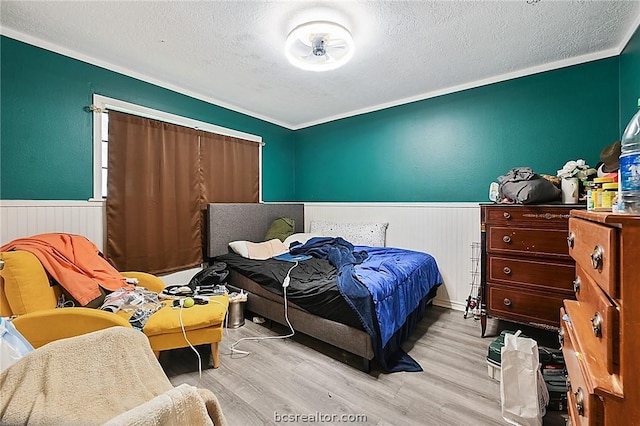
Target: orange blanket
[74, 262]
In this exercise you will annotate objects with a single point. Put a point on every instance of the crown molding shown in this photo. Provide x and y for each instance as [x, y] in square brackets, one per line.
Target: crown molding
[428, 95]
[52, 47]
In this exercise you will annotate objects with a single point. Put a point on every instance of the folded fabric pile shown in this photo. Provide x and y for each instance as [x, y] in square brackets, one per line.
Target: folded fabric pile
[110, 376]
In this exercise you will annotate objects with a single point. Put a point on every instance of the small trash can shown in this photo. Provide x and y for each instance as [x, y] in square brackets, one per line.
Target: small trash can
[235, 317]
[236, 314]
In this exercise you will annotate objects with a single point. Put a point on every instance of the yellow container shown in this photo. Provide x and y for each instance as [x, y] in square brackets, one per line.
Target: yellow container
[608, 193]
[598, 190]
[603, 180]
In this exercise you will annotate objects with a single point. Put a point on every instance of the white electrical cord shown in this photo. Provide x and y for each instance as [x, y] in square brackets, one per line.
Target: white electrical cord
[184, 333]
[285, 284]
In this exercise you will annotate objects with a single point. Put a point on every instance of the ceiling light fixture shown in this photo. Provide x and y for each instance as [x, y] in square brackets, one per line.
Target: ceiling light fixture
[319, 46]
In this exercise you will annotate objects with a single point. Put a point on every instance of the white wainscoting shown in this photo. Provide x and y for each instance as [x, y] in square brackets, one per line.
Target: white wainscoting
[444, 230]
[23, 218]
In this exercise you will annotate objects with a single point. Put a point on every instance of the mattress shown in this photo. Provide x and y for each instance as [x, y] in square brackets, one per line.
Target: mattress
[381, 290]
[397, 279]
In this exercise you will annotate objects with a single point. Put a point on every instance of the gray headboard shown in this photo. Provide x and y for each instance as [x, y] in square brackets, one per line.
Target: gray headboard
[228, 222]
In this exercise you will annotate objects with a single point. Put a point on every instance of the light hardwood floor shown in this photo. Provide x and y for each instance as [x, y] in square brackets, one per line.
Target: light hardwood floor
[303, 376]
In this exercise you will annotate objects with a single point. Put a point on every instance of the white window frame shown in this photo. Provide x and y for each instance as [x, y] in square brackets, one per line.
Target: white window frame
[102, 103]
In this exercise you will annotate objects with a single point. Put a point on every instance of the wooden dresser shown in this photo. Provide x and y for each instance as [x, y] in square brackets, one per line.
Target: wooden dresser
[600, 331]
[526, 270]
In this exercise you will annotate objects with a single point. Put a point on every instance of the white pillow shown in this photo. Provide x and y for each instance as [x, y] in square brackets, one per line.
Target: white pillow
[259, 251]
[358, 234]
[240, 247]
[301, 237]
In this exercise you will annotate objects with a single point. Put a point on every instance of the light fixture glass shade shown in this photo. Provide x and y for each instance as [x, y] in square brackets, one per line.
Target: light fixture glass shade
[319, 46]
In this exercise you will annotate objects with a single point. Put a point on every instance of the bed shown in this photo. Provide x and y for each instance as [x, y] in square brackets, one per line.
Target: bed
[320, 304]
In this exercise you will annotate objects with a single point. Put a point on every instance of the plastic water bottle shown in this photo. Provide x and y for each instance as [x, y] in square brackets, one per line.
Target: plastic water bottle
[629, 198]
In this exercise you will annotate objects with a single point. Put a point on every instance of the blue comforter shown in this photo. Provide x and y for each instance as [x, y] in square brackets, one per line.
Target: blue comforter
[398, 280]
[384, 286]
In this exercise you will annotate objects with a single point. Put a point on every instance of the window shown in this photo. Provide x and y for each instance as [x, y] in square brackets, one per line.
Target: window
[101, 105]
[156, 172]
[104, 152]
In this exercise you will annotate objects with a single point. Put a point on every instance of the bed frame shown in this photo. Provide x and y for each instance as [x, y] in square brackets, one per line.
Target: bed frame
[250, 222]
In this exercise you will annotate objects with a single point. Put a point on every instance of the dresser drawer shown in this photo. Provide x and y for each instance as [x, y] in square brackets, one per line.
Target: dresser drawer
[530, 242]
[514, 303]
[584, 408]
[544, 274]
[593, 246]
[551, 217]
[599, 318]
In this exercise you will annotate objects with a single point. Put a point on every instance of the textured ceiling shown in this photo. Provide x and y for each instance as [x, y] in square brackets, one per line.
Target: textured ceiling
[231, 52]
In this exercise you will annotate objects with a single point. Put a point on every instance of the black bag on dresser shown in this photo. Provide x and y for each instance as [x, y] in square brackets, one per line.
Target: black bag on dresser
[523, 186]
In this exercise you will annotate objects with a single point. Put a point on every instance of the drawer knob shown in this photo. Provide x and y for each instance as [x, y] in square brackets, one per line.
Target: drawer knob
[579, 401]
[596, 257]
[506, 215]
[507, 302]
[506, 239]
[568, 383]
[576, 285]
[561, 336]
[596, 324]
[570, 239]
[506, 270]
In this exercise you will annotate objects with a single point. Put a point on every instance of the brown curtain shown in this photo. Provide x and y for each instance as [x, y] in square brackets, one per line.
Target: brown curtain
[230, 169]
[230, 173]
[160, 179]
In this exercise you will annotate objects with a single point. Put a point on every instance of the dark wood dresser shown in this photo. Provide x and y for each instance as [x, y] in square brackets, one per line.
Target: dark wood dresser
[600, 331]
[526, 269]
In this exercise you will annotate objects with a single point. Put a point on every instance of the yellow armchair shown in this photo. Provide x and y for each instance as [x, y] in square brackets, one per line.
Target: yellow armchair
[25, 292]
[48, 325]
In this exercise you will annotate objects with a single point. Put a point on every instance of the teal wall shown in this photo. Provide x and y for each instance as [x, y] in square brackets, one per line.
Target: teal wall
[447, 148]
[629, 80]
[451, 147]
[46, 136]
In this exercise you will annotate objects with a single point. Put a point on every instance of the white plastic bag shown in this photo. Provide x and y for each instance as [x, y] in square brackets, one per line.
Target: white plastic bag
[12, 345]
[523, 392]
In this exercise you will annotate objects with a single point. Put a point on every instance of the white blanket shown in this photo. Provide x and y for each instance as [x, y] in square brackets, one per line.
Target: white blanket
[182, 403]
[109, 375]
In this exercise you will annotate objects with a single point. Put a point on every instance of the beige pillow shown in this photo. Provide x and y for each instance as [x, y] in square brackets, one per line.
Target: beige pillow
[259, 251]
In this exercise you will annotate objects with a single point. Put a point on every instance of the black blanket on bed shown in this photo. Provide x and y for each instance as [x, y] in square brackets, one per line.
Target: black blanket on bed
[313, 285]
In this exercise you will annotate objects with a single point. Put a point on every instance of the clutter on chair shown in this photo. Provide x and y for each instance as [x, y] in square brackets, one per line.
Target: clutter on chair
[107, 377]
[27, 293]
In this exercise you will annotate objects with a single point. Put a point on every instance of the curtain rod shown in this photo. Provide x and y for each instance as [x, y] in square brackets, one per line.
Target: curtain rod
[95, 108]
